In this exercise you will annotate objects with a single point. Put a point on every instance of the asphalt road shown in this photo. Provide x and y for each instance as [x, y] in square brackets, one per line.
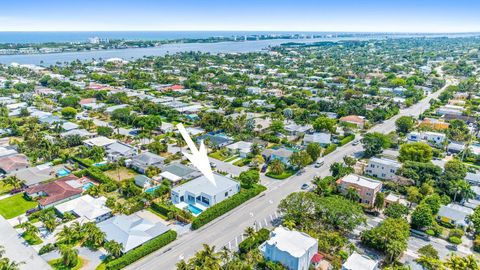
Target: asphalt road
[221, 231]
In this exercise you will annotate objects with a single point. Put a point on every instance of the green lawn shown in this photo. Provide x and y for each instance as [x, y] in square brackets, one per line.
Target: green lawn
[231, 158]
[285, 174]
[218, 155]
[15, 205]
[242, 162]
[57, 264]
[32, 239]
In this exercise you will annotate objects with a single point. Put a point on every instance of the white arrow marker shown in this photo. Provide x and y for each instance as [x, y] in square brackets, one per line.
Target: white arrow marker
[199, 157]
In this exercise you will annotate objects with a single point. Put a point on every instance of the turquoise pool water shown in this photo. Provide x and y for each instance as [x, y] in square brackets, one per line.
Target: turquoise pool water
[88, 185]
[152, 189]
[195, 210]
[63, 172]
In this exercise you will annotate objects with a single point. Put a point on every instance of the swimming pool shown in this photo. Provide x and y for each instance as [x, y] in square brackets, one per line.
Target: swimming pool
[88, 185]
[195, 210]
[152, 189]
[63, 172]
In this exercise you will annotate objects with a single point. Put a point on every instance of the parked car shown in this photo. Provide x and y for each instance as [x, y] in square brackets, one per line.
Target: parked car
[31, 211]
[320, 163]
[305, 186]
[356, 142]
[213, 165]
[264, 168]
[16, 190]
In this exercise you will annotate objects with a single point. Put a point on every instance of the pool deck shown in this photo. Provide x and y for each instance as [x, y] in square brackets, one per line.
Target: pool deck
[182, 205]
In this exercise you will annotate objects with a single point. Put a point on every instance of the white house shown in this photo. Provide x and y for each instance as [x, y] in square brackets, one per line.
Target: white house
[87, 208]
[433, 138]
[382, 168]
[199, 193]
[318, 137]
[131, 231]
[100, 141]
[242, 148]
[359, 262]
[292, 249]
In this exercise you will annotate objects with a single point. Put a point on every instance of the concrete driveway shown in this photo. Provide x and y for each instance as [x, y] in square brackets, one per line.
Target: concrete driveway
[228, 167]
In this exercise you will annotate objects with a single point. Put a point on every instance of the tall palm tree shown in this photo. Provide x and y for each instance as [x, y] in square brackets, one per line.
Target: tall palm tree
[249, 231]
[49, 221]
[277, 167]
[69, 256]
[182, 265]
[352, 194]
[113, 248]
[66, 235]
[29, 228]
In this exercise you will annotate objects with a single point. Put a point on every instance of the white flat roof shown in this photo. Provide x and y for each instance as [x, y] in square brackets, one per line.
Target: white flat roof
[359, 262]
[293, 242]
[361, 181]
[85, 206]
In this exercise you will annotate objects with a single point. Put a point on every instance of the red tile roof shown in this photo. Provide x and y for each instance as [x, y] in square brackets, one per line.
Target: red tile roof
[56, 191]
[87, 101]
[13, 162]
[353, 119]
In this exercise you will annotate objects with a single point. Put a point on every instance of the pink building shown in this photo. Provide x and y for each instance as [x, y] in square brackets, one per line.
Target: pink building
[367, 188]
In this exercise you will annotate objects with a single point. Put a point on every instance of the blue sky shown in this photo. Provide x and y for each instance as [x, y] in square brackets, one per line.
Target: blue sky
[251, 15]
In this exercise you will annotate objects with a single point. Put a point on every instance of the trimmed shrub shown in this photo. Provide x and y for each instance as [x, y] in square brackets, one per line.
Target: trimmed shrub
[454, 240]
[430, 232]
[330, 148]
[347, 139]
[254, 241]
[171, 212]
[226, 205]
[142, 251]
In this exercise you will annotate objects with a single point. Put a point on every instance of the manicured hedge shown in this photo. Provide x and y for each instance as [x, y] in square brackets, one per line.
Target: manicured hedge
[98, 175]
[253, 242]
[330, 148]
[170, 212]
[85, 162]
[347, 139]
[226, 205]
[142, 251]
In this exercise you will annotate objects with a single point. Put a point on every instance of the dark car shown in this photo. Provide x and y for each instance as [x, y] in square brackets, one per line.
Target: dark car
[16, 190]
[31, 211]
[264, 168]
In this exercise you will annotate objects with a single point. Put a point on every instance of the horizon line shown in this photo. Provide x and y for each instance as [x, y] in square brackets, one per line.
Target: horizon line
[280, 31]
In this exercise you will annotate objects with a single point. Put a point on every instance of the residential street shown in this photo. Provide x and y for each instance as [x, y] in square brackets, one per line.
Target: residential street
[222, 230]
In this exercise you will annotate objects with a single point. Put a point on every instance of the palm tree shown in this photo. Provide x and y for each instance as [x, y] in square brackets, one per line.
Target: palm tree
[66, 235]
[461, 263]
[69, 256]
[14, 182]
[277, 167]
[6, 264]
[29, 228]
[182, 265]
[49, 221]
[289, 223]
[206, 258]
[250, 231]
[352, 194]
[113, 248]
[225, 255]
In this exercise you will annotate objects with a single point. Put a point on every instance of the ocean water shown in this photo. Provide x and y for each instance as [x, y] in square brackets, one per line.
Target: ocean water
[135, 53]
[42, 37]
